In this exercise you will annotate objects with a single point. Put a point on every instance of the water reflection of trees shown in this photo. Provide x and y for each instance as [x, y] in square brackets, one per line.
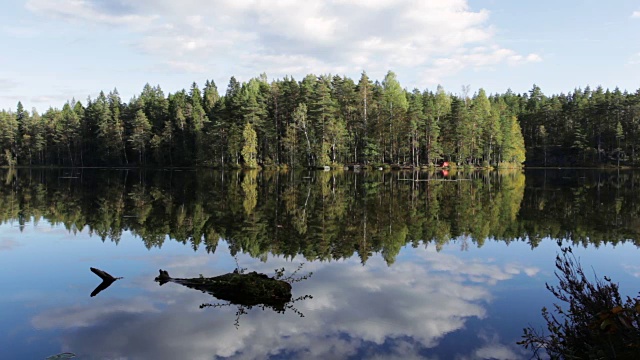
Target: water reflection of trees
[586, 207]
[327, 215]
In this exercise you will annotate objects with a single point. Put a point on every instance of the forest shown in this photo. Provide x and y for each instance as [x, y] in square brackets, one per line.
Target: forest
[327, 121]
[318, 121]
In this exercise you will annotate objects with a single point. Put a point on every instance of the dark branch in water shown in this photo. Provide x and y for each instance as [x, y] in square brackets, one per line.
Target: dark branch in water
[105, 276]
[107, 280]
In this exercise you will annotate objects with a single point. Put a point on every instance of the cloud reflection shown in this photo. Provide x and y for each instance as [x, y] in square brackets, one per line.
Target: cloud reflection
[403, 311]
[8, 244]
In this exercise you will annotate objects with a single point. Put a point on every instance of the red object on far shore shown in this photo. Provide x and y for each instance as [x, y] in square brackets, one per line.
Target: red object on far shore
[445, 164]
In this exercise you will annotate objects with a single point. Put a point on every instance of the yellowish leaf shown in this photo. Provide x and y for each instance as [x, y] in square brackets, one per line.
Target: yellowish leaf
[616, 309]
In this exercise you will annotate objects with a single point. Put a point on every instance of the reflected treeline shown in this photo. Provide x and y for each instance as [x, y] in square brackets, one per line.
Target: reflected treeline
[327, 215]
[585, 206]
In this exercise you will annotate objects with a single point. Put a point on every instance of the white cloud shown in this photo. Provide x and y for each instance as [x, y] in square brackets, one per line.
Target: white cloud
[635, 14]
[635, 59]
[7, 84]
[285, 37]
[186, 66]
[476, 58]
[89, 11]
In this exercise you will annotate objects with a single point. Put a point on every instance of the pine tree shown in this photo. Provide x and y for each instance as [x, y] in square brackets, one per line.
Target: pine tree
[233, 120]
[8, 138]
[619, 138]
[480, 117]
[322, 114]
[140, 134]
[416, 118]
[67, 130]
[365, 99]
[439, 106]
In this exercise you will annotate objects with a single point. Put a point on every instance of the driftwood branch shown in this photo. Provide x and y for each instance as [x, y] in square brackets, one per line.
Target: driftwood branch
[102, 274]
[107, 280]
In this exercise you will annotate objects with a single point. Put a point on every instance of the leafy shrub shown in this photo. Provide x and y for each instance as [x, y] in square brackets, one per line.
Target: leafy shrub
[597, 324]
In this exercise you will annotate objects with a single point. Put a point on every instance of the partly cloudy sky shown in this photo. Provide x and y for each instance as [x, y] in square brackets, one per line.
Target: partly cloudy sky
[54, 50]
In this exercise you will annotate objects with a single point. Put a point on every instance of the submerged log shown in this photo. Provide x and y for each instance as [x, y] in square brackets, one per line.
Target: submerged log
[249, 289]
[105, 276]
[107, 280]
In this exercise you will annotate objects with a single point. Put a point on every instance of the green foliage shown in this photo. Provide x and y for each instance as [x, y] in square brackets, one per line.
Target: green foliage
[343, 122]
[332, 215]
[140, 133]
[279, 275]
[249, 188]
[249, 149]
[582, 127]
[512, 147]
[328, 215]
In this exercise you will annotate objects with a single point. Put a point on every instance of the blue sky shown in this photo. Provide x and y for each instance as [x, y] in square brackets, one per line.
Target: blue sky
[55, 50]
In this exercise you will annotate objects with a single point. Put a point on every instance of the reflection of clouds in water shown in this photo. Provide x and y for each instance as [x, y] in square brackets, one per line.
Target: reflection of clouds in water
[8, 245]
[477, 270]
[495, 351]
[83, 316]
[531, 271]
[360, 311]
[187, 262]
[492, 349]
[373, 305]
[633, 270]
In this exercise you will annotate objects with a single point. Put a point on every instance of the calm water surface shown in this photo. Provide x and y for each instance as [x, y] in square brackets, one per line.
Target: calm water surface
[404, 265]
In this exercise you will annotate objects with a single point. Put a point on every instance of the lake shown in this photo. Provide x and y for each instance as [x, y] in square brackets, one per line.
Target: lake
[390, 264]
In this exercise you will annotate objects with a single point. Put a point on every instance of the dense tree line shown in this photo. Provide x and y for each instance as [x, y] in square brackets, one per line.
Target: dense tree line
[584, 127]
[328, 215]
[318, 121]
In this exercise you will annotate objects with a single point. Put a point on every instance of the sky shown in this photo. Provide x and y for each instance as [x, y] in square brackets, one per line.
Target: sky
[56, 50]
